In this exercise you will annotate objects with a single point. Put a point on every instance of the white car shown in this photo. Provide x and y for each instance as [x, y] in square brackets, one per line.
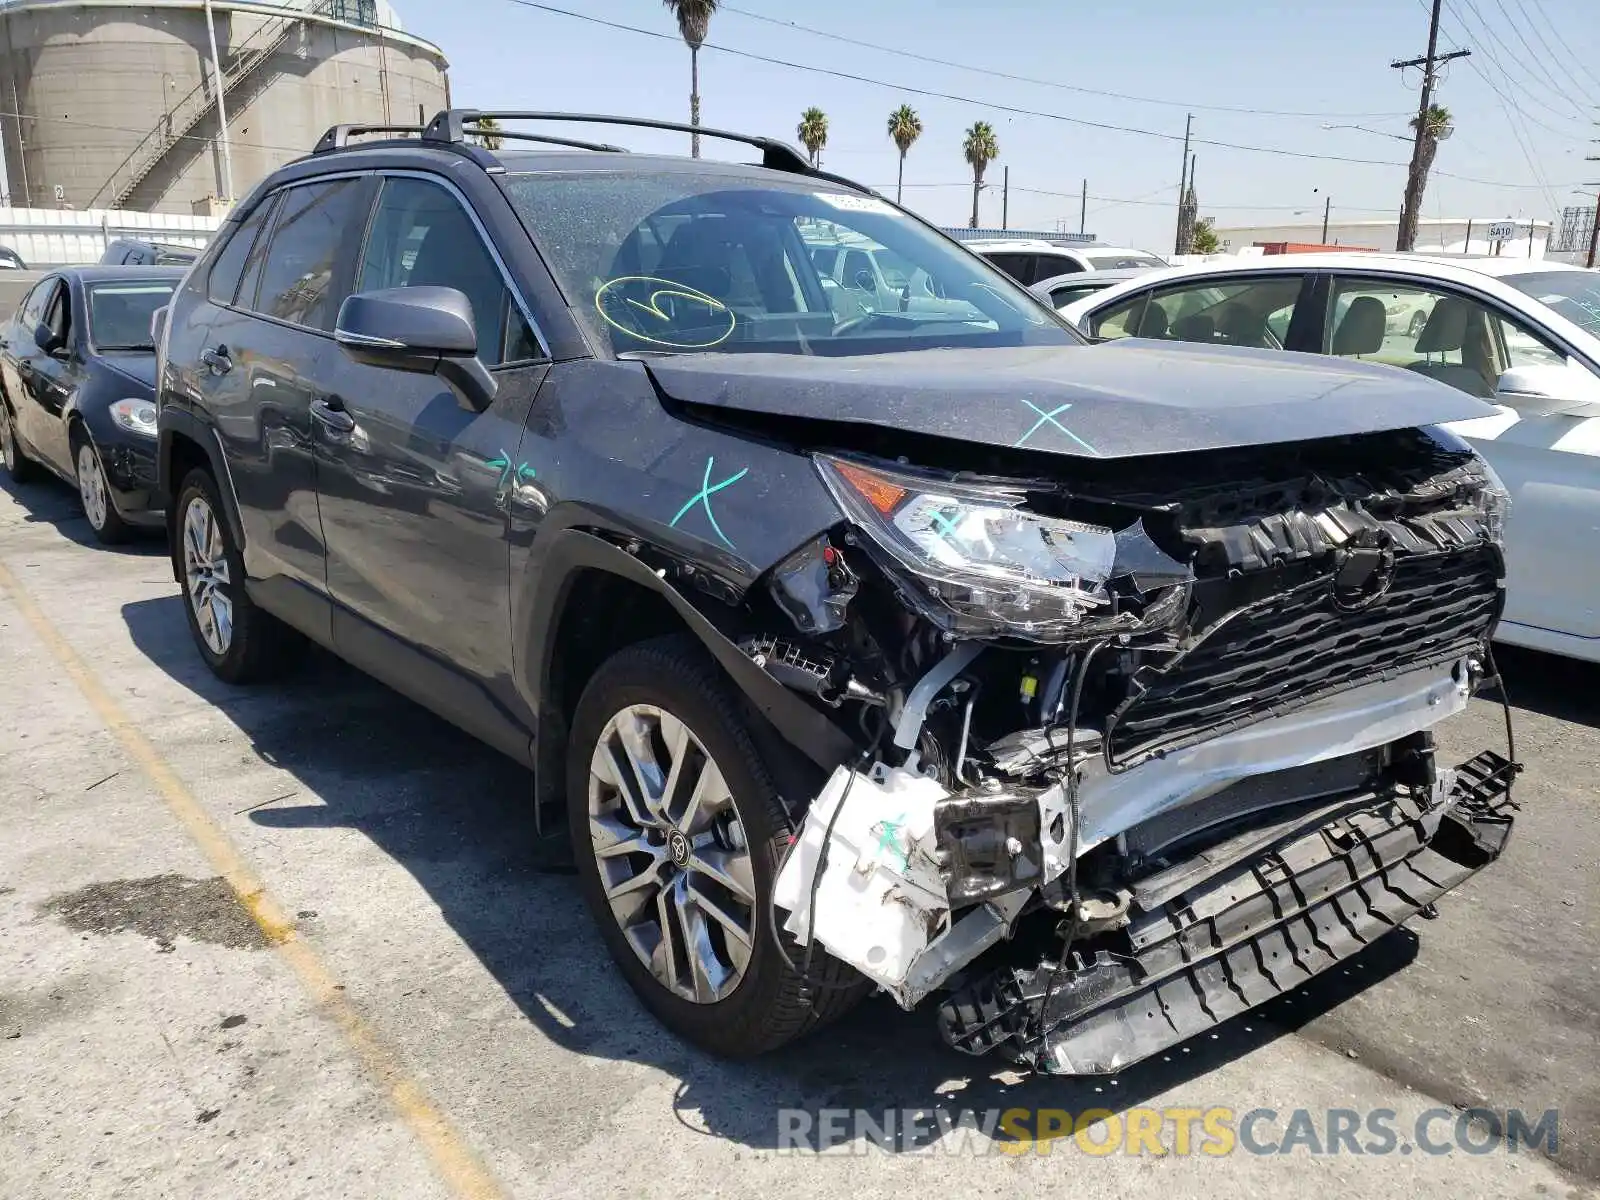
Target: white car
[1030, 261]
[1523, 335]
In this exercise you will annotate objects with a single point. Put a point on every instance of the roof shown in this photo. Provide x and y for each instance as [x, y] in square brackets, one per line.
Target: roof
[1093, 278]
[1442, 266]
[99, 274]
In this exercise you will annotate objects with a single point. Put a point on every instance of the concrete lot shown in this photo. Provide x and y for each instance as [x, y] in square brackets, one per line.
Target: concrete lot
[411, 1001]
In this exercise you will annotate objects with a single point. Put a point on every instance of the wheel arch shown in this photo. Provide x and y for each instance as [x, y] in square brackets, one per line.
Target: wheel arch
[184, 442]
[591, 599]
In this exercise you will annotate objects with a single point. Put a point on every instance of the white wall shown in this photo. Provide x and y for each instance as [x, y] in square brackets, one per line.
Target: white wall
[56, 237]
[1436, 236]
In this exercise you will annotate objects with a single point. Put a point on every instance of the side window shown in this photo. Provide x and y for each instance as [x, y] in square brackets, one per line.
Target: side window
[58, 314]
[1123, 320]
[1057, 264]
[421, 236]
[1252, 312]
[1525, 349]
[315, 223]
[1018, 266]
[32, 311]
[1434, 332]
[227, 269]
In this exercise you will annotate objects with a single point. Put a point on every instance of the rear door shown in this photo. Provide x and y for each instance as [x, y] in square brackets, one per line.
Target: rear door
[1550, 462]
[266, 362]
[415, 487]
[46, 381]
[1256, 310]
[22, 355]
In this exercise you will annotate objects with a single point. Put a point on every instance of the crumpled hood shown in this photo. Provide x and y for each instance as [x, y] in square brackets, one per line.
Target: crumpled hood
[1114, 400]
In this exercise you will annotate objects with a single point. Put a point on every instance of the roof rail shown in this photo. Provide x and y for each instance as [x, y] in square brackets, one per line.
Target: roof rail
[338, 137]
[516, 136]
[451, 126]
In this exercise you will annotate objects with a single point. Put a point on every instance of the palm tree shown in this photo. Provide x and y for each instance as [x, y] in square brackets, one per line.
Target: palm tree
[694, 22]
[813, 132]
[980, 149]
[1434, 130]
[905, 127]
[488, 135]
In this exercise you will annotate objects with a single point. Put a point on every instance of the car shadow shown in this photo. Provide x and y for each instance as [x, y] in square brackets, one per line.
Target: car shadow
[459, 818]
[1564, 688]
[50, 501]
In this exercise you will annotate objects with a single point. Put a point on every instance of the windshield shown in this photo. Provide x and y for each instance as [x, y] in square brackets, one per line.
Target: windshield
[1573, 294]
[679, 263]
[1123, 262]
[119, 313]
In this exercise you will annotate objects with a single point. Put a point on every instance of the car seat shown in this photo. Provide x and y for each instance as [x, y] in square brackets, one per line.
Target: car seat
[1362, 329]
[1457, 325]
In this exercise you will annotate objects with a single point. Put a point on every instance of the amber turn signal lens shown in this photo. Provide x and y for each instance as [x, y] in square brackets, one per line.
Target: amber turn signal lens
[875, 489]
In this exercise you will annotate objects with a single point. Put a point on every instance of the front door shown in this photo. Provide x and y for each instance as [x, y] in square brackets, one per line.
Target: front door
[414, 486]
[47, 382]
[266, 360]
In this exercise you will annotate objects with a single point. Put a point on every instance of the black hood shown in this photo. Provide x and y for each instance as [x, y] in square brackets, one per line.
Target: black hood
[137, 365]
[1114, 400]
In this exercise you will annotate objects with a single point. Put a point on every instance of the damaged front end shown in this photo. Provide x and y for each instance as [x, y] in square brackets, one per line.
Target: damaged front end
[1141, 751]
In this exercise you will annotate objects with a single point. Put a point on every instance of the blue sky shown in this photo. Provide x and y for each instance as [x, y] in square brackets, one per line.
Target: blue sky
[1522, 119]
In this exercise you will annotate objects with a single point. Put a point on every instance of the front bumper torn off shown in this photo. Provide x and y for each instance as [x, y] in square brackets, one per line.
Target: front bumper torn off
[1244, 937]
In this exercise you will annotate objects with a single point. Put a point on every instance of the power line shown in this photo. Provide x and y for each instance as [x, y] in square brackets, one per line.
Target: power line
[1050, 83]
[1484, 37]
[1278, 151]
[1554, 55]
[1561, 41]
[1121, 201]
[1533, 55]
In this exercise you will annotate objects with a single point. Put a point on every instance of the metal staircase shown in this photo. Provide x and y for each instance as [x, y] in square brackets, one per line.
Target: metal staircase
[178, 121]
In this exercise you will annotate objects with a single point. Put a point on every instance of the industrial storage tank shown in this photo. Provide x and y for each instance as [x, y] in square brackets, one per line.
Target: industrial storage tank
[111, 105]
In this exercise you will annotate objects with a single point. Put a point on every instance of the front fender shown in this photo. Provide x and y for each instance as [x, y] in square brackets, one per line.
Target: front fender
[572, 551]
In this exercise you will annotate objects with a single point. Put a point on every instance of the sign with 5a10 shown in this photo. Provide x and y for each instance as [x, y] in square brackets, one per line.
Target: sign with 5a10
[1502, 231]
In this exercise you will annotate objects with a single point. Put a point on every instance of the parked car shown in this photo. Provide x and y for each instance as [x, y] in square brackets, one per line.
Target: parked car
[1030, 261]
[1522, 334]
[863, 277]
[10, 260]
[77, 369]
[1059, 291]
[847, 646]
[131, 252]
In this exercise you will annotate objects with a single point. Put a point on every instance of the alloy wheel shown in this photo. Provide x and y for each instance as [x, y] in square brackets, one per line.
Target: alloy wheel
[92, 486]
[206, 575]
[8, 443]
[673, 859]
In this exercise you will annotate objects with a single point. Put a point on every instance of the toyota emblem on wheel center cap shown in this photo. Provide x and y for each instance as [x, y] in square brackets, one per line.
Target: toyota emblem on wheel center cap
[678, 848]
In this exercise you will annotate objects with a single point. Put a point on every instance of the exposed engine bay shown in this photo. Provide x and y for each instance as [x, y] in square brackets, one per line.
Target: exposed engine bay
[1136, 755]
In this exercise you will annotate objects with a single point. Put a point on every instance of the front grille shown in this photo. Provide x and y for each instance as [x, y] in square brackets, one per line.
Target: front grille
[1298, 646]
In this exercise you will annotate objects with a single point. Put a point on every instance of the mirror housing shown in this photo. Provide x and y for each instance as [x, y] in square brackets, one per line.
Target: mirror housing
[46, 339]
[425, 330]
[1544, 391]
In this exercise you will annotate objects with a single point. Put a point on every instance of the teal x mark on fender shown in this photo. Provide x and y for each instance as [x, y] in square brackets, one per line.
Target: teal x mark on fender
[1049, 418]
[703, 498]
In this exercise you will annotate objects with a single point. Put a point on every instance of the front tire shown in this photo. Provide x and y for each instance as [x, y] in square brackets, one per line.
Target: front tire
[18, 465]
[95, 493]
[678, 833]
[240, 642]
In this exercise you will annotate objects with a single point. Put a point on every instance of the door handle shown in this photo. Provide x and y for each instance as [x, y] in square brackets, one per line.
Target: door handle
[217, 359]
[332, 415]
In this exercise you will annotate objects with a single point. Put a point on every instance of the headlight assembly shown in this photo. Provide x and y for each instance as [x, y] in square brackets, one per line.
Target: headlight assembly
[136, 416]
[981, 564]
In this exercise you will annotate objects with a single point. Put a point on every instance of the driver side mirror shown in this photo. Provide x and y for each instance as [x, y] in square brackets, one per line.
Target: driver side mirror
[48, 340]
[426, 330]
[1545, 390]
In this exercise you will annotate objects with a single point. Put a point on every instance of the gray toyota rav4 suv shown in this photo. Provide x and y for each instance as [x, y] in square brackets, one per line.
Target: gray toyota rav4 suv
[1084, 692]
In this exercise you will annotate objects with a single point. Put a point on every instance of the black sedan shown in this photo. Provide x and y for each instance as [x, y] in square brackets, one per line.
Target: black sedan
[77, 375]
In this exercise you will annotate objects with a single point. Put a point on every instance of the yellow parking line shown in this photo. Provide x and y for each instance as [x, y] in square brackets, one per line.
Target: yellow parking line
[458, 1166]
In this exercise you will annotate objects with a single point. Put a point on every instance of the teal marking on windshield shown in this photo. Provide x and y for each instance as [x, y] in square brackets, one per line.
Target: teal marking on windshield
[703, 498]
[1049, 418]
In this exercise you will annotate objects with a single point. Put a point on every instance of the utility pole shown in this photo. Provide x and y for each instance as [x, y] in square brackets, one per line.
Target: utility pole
[1327, 211]
[1183, 186]
[1083, 209]
[1005, 199]
[1430, 63]
[1594, 229]
[218, 85]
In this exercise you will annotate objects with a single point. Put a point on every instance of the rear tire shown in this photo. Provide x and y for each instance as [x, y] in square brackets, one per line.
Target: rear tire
[95, 493]
[18, 465]
[670, 698]
[240, 642]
